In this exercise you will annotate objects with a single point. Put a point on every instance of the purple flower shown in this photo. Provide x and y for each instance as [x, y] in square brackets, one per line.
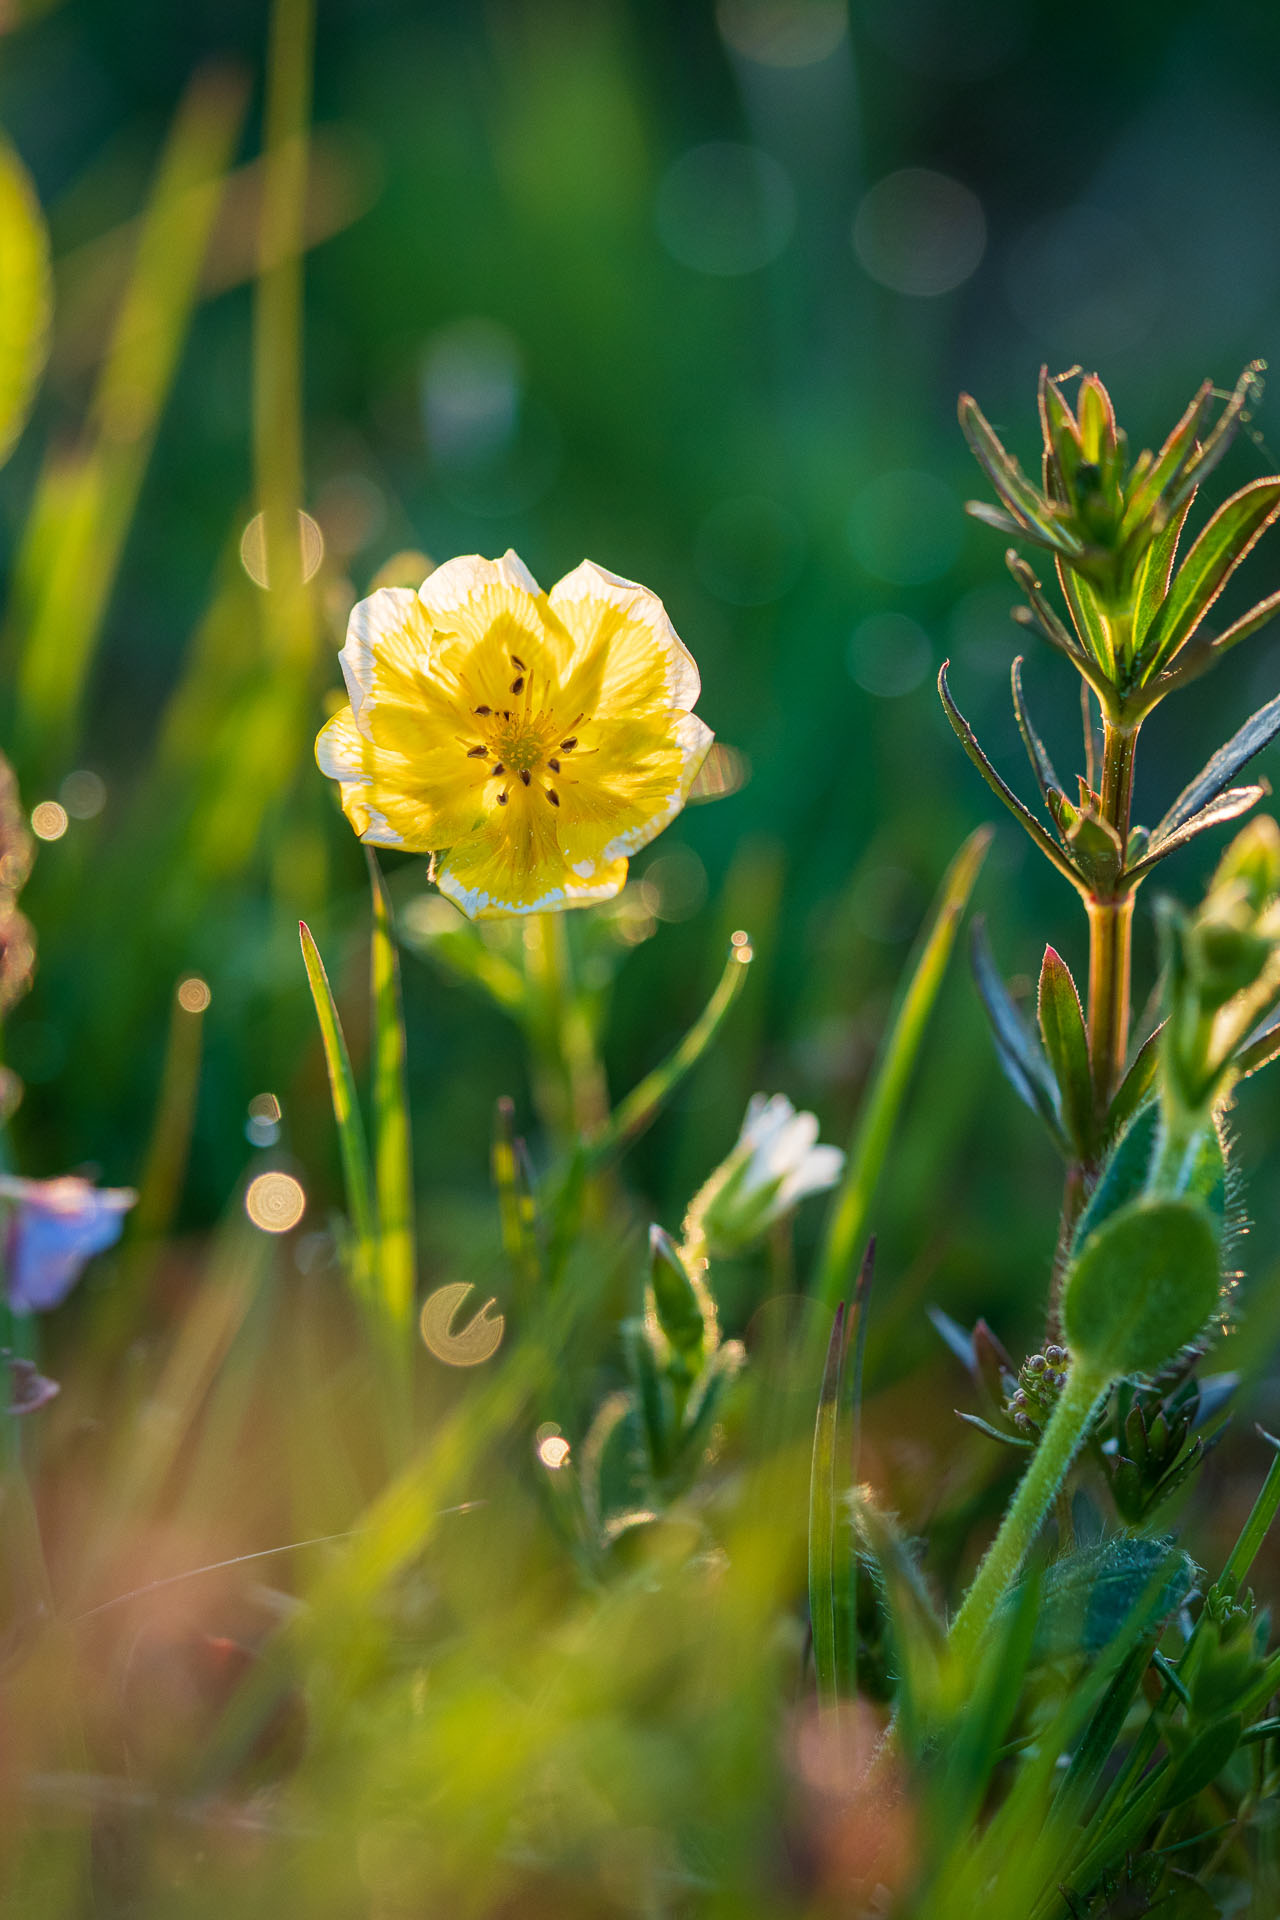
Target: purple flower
[54, 1227]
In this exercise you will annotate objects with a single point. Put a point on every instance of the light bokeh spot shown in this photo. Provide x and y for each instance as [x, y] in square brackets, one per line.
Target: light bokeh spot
[889, 654]
[919, 232]
[275, 1202]
[48, 820]
[194, 994]
[725, 209]
[553, 1451]
[466, 1346]
[253, 548]
[83, 794]
[783, 33]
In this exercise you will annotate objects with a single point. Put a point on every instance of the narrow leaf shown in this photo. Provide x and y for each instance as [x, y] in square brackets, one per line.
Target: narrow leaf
[1258, 731]
[1258, 1053]
[1172, 459]
[392, 1148]
[1247, 391]
[1041, 764]
[1022, 499]
[1219, 550]
[645, 1102]
[1066, 1044]
[517, 1211]
[969, 741]
[891, 1072]
[1088, 617]
[1137, 1086]
[1155, 570]
[1228, 806]
[356, 1171]
[822, 1519]
[25, 296]
[1025, 1066]
[1046, 620]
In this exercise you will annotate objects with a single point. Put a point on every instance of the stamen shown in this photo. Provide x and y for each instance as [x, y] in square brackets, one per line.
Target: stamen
[484, 709]
[553, 797]
[525, 775]
[498, 771]
[502, 799]
[477, 753]
[567, 746]
[517, 684]
[517, 662]
[554, 765]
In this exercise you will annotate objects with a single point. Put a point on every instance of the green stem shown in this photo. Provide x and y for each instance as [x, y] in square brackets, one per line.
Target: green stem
[1050, 1463]
[548, 992]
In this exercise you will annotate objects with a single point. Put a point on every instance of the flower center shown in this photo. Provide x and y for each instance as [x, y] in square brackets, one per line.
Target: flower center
[520, 741]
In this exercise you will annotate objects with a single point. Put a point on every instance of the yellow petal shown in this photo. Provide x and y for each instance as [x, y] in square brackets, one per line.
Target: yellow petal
[627, 655]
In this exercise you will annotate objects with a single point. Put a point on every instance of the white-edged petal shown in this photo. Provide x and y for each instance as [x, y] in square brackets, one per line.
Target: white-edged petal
[390, 620]
[589, 584]
[819, 1170]
[458, 581]
[694, 737]
[602, 884]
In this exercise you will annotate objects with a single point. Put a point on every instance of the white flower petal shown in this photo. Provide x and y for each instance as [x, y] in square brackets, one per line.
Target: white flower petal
[460, 580]
[589, 583]
[388, 623]
[819, 1170]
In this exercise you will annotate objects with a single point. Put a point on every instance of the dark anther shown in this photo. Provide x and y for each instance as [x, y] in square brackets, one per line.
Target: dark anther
[517, 662]
[517, 683]
[567, 746]
[484, 709]
[502, 799]
[525, 775]
[553, 797]
[499, 770]
[506, 713]
[554, 765]
[477, 753]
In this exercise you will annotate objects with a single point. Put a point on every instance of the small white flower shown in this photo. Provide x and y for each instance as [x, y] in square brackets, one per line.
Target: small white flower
[776, 1162]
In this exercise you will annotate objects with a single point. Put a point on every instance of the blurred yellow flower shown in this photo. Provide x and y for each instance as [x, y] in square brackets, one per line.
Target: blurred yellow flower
[528, 741]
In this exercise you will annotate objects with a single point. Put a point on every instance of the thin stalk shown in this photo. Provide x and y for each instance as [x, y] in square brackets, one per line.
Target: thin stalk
[548, 995]
[1050, 1463]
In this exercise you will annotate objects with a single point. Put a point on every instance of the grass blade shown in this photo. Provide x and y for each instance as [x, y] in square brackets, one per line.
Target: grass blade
[392, 1144]
[352, 1144]
[822, 1520]
[873, 1130]
[643, 1104]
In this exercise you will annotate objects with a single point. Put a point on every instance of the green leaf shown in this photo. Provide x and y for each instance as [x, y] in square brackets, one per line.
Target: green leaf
[1258, 731]
[1219, 550]
[891, 1073]
[1041, 765]
[968, 740]
[1199, 1765]
[682, 1307]
[653, 1395]
[645, 1102]
[392, 1147]
[1089, 618]
[822, 1518]
[1142, 1286]
[1024, 1064]
[1226, 806]
[1023, 500]
[1169, 464]
[1121, 1588]
[356, 1171]
[1154, 571]
[1066, 1044]
[25, 296]
[1138, 1084]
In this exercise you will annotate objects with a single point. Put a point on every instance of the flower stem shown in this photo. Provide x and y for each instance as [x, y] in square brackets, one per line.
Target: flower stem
[1059, 1444]
[547, 994]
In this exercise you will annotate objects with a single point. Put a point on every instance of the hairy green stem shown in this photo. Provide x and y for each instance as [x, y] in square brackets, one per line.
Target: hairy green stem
[1050, 1463]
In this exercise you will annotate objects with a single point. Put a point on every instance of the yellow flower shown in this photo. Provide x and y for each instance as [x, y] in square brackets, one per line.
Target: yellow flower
[528, 741]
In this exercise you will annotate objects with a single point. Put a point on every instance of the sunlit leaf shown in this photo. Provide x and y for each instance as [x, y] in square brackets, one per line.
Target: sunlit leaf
[24, 296]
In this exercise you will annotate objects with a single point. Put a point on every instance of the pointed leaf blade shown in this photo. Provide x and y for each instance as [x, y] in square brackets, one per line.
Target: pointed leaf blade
[1066, 1044]
[1231, 534]
[392, 1147]
[1228, 806]
[1024, 1065]
[1258, 731]
[969, 741]
[352, 1144]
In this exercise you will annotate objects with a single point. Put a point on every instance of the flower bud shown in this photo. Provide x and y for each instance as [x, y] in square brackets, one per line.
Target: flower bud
[775, 1163]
